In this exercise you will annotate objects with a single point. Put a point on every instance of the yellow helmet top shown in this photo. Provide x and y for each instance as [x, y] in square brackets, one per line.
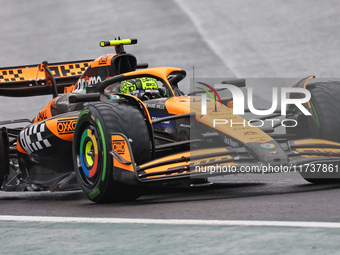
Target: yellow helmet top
[144, 83]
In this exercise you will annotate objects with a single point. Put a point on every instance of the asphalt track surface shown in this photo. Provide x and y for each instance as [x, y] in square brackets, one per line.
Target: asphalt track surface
[252, 39]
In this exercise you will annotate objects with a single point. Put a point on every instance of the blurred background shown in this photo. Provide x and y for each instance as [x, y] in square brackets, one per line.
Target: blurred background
[221, 38]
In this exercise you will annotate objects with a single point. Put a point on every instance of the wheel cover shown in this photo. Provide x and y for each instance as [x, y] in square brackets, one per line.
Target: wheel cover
[89, 152]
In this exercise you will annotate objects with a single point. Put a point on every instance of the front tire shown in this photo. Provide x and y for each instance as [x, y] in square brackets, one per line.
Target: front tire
[92, 143]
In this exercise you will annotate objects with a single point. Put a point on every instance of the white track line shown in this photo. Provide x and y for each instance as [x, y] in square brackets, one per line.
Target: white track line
[300, 224]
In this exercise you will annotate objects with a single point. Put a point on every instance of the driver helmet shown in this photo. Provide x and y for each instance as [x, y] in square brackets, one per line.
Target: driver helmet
[146, 88]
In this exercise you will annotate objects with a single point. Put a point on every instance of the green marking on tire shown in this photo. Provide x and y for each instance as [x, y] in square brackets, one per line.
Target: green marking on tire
[82, 139]
[315, 114]
[104, 148]
[94, 193]
[83, 112]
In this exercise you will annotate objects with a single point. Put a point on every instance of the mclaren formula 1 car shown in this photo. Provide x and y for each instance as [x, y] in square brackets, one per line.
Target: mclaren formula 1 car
[115, 126]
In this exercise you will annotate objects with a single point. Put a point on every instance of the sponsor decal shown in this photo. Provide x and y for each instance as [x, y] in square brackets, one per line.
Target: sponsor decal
[184, 125]
[156, 118]
[94, 193]
[155, 115]
[155, 106]
[267, 146]
[113, 96]
[66, 126]
[42, 115]
[250, 133]
[119, 146]
[87, 81]
[103, 60]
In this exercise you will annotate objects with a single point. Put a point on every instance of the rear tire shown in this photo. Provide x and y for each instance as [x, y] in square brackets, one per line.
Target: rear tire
[325, 102]
[94, 170]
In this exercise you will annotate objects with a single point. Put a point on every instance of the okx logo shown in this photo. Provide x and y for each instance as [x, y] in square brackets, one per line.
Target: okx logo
[66, 126]
[204, 97]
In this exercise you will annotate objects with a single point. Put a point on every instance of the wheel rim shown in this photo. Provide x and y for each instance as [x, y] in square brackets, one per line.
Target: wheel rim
[88, 155]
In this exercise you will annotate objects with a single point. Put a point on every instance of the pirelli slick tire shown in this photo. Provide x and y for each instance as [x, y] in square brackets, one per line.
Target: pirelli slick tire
[93, 162]
[325, 103]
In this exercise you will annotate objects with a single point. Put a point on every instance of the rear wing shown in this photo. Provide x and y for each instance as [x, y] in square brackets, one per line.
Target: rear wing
[34, 80]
